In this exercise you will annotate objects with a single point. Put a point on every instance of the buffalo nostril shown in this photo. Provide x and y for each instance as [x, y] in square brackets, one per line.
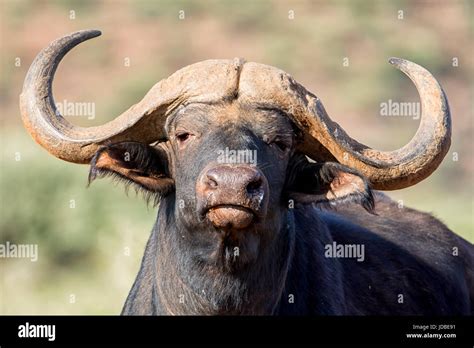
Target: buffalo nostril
[254, 186]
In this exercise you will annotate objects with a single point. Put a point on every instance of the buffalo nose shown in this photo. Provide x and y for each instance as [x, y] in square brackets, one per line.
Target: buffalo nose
[232, 197]
[244, 180]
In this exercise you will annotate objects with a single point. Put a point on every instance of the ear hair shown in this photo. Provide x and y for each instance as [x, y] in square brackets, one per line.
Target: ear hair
[136, 164]
[327, 184]
[363, 195]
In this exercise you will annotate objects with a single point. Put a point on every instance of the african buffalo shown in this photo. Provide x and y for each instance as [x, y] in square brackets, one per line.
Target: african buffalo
[266, 206]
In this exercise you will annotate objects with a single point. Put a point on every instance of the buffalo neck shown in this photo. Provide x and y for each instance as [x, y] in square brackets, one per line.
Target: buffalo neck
[184, 286]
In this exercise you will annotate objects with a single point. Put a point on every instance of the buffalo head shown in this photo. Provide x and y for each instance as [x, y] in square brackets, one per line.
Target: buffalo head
[228, 143]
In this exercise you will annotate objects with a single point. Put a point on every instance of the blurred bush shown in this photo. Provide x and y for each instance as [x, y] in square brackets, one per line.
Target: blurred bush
[91, 239]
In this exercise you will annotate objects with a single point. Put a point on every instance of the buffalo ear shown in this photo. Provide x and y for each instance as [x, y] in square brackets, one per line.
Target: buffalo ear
[136, 163]
[327, 182]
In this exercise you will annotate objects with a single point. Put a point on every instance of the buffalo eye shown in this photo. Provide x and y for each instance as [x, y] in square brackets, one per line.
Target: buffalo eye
[281, 145]
[183, 136]
[277, 142]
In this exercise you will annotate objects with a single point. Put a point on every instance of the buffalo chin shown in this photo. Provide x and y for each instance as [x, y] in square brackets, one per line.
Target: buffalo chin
[237, 250]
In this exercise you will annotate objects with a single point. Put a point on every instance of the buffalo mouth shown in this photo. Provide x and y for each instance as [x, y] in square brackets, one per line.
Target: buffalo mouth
[230, 216]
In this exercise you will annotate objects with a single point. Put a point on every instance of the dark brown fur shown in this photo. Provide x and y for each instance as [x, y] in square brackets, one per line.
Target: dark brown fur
[190, 266]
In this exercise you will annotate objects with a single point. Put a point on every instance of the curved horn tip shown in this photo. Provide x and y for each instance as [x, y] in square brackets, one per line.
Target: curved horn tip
[397, 61]
[90, 33]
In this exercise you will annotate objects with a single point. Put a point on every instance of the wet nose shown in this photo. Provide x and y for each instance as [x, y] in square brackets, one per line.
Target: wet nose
[245, 181]
[232, 197]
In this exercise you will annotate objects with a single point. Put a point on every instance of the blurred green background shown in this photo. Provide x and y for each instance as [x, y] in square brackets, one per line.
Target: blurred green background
[91, 240]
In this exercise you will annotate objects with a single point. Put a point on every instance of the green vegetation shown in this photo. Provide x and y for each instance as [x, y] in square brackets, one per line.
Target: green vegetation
[91, 239]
